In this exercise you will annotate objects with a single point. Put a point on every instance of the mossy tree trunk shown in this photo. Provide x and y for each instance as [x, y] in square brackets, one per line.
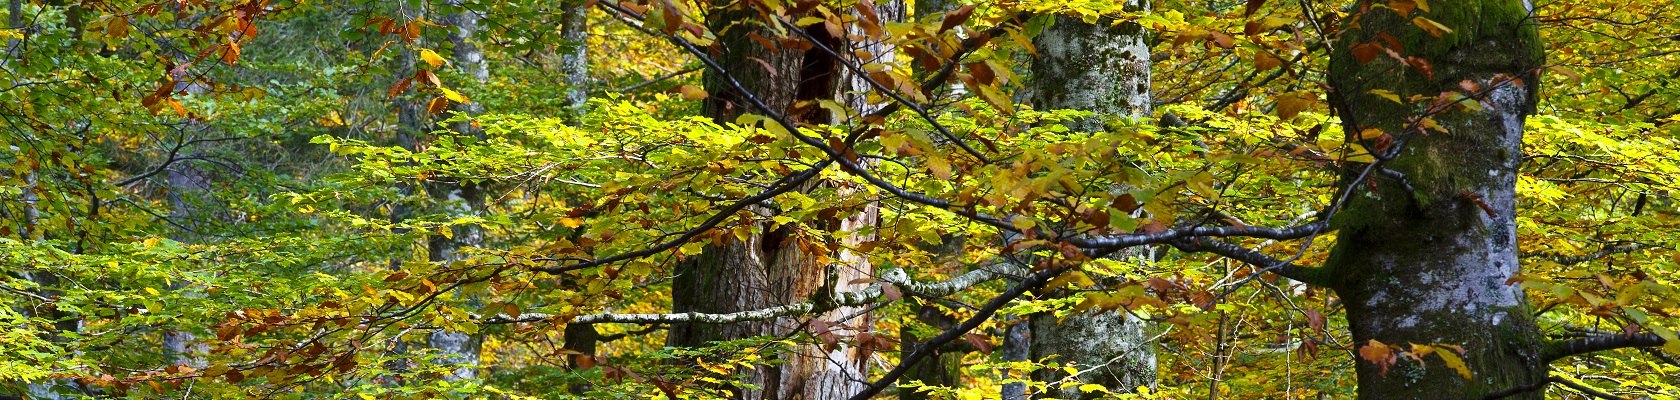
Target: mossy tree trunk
[1429, 259]
[1104, 68]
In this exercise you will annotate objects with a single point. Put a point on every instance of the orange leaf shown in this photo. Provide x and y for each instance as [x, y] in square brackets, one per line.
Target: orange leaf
[438, 105]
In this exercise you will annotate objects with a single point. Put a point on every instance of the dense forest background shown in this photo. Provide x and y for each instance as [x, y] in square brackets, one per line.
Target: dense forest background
[839, 199]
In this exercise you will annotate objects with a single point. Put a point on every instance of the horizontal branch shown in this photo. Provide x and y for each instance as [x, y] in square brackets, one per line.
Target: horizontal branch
[1558, 350]
[868, 295]
[1315, 276]
[1601, 253]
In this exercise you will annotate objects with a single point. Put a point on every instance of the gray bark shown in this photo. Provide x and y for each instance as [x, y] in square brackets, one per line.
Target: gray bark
[458, 199]
[1428, 261]
[574, 57]
[1103, 68]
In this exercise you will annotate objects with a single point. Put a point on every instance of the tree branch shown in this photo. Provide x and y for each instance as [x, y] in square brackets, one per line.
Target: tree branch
[869, 295]
[1315, 276]
[1559, 350]
[1601, 253]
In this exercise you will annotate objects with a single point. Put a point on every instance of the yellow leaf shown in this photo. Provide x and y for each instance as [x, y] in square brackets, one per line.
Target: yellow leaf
[571, 222]
[1428, 25]
[1454, 362]
[153, 292]
[941, 169]
[454, 96]
[1021, 222]
[1387, 95]
[1422, 5]
[692, 92]
[431, 57]
[1370, 133]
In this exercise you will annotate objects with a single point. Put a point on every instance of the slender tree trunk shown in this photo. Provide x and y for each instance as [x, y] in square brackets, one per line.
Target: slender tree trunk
[458, 198]
[187, 186]
[1103, 68]
[574, 57]
[1430, 260]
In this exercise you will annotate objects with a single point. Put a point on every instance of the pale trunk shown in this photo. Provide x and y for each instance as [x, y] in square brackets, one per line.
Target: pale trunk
[1103, 68]
[457, 199]
[1430, 260]
[574, 57]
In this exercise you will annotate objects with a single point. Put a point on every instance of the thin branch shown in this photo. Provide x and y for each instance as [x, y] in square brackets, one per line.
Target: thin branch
[785, 185]
[1601, 253]
[1559, 350]
[924, 349]
[869, 295]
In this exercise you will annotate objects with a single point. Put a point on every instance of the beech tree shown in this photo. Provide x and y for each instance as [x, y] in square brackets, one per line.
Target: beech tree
[839, 199]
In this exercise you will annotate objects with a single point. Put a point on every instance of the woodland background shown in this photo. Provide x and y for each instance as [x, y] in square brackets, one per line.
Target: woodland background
[766, 199]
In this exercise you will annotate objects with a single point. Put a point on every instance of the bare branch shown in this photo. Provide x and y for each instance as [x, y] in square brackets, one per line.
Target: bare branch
[1601, 253]
[1558, 350]
[869, 295]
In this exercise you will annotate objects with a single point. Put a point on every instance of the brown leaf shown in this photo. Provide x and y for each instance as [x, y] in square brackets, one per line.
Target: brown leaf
[397, 88]
[979, 342]
[1253, 5]
[1365, 52]
[954, 18]
[982, 73]
[438, 105]
[1222, 40]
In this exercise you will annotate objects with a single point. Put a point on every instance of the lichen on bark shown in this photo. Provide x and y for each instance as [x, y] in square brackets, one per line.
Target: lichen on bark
[1425, 254]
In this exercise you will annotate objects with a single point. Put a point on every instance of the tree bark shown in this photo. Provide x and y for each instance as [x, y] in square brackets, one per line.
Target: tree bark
[574, 57]
[457, 198]
[769, 268]
[1429, 260]
[1103, 68]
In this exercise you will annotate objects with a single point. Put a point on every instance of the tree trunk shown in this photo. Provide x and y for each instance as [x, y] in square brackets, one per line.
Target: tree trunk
[733, 275]
[769, 269]
[1429, 260]
[458, 199]
[574, 57]
[1102, 68]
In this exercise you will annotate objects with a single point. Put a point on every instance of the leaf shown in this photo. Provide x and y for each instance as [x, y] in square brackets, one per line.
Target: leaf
[692, 92]
[117, 28]
[431, 58]
[941, 169]
[1428, 25]
[1365, 52]
[891, 292]
[454, 96]
[954, 18]
[1454, 362]
[1264, 60]
[437, 106]
[1291, 104]
[1222, 40]
[1378, 353]
[1252, 6]
[397, 88]
[1387, 95]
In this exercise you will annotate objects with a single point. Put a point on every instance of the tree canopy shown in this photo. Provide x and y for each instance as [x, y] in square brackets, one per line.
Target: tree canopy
[840, 199]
